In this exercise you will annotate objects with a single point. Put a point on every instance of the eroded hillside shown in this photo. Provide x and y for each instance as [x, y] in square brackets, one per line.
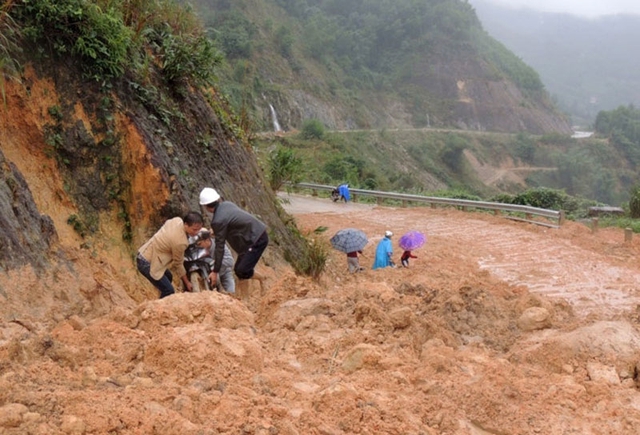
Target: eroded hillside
[89, 175]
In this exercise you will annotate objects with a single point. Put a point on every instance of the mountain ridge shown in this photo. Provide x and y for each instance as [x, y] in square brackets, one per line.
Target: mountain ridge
[454, 75]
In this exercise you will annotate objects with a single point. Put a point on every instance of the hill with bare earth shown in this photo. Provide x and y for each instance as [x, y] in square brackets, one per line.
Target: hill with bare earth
[496, 327]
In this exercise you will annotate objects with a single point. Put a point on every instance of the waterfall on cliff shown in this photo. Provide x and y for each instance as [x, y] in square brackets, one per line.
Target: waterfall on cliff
[276, 124]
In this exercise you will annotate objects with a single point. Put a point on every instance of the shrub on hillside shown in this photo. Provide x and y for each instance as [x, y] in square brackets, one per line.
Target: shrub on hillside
[284, 167]
[555, 199]
[634, 202]
[312, 129]
[314, 260]
[456, 194]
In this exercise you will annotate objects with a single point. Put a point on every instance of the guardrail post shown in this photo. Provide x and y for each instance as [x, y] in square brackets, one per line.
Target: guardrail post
[628, 234]
[355, 197]
[497, 212]
[314, 192]
[379, 200]
[561, 218]
[594, 225]
[433, 205]
[404, 203]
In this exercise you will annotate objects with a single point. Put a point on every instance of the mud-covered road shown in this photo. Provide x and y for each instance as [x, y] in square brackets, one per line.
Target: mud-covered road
[598, 274]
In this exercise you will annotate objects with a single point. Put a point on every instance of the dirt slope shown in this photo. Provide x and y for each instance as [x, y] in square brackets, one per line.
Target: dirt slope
[498, 327]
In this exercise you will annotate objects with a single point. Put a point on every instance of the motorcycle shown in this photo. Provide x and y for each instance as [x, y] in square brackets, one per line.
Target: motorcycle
[198, 263]
[335, 195]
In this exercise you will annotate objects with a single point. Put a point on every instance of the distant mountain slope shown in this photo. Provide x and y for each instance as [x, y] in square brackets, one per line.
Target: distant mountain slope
[588, 65]
[374, 65]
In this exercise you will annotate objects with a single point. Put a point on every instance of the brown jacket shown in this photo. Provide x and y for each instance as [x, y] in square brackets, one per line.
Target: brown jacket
[166, 249]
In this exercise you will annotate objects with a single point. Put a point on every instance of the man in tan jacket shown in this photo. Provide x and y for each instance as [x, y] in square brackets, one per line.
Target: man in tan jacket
[165, 250]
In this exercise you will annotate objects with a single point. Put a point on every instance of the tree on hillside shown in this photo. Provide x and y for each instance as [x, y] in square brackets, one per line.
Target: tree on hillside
[622, 127]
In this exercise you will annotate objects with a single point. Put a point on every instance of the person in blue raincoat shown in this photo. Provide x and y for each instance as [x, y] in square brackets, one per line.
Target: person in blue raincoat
[343, 190]
[384, 252]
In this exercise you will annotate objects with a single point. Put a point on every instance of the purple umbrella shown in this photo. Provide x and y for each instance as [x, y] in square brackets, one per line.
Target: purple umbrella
[412, 240]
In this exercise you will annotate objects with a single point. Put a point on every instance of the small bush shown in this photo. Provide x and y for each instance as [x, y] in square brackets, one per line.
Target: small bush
[634, 202]
[98, 36]
[503, 198]
[187, 56]
[312, 129]
[456, 194]
[314, 260]
[284, 167]
[542, 197]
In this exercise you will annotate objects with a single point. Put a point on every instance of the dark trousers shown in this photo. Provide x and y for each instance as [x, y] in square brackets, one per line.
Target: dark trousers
[163, 284]
[246, 263]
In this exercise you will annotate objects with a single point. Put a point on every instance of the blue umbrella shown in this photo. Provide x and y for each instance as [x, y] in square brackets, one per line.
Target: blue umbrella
[349, 240]
[412, 240]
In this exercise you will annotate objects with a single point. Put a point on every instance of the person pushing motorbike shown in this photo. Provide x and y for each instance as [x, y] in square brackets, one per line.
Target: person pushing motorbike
[246, 235]
[202, 248]
[165, 250]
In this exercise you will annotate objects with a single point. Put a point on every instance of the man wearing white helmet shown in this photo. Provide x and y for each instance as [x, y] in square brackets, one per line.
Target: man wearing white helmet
[384, 251]
[246, 235]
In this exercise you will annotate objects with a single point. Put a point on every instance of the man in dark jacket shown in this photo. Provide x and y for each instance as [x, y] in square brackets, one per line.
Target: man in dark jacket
[246, 235]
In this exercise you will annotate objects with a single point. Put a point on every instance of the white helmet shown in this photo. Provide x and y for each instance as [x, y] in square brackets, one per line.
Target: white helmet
[388, 233]
[208, 196]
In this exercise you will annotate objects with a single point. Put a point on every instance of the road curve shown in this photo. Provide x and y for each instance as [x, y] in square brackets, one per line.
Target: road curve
[599, 279]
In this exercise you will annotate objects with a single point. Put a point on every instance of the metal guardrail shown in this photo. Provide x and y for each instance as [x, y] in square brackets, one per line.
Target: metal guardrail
[497, 207]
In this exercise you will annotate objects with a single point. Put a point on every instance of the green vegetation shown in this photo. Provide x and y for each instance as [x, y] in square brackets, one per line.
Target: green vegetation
[347, 53]
[110, 37]
[622, 127]
[284, 167]
[9, 34]
[573, 175]
[312, 129]
[551, 199]
[620, 222]
[313, 262]
[634, 202]
[511, 65]
[417, 162]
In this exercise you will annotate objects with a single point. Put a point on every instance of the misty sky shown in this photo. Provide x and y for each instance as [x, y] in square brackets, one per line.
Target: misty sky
[585, 8]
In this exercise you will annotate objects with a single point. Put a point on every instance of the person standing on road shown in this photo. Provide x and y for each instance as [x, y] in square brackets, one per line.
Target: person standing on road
[353, 263]
[165, 250]
[246, 235]
[384, 252]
